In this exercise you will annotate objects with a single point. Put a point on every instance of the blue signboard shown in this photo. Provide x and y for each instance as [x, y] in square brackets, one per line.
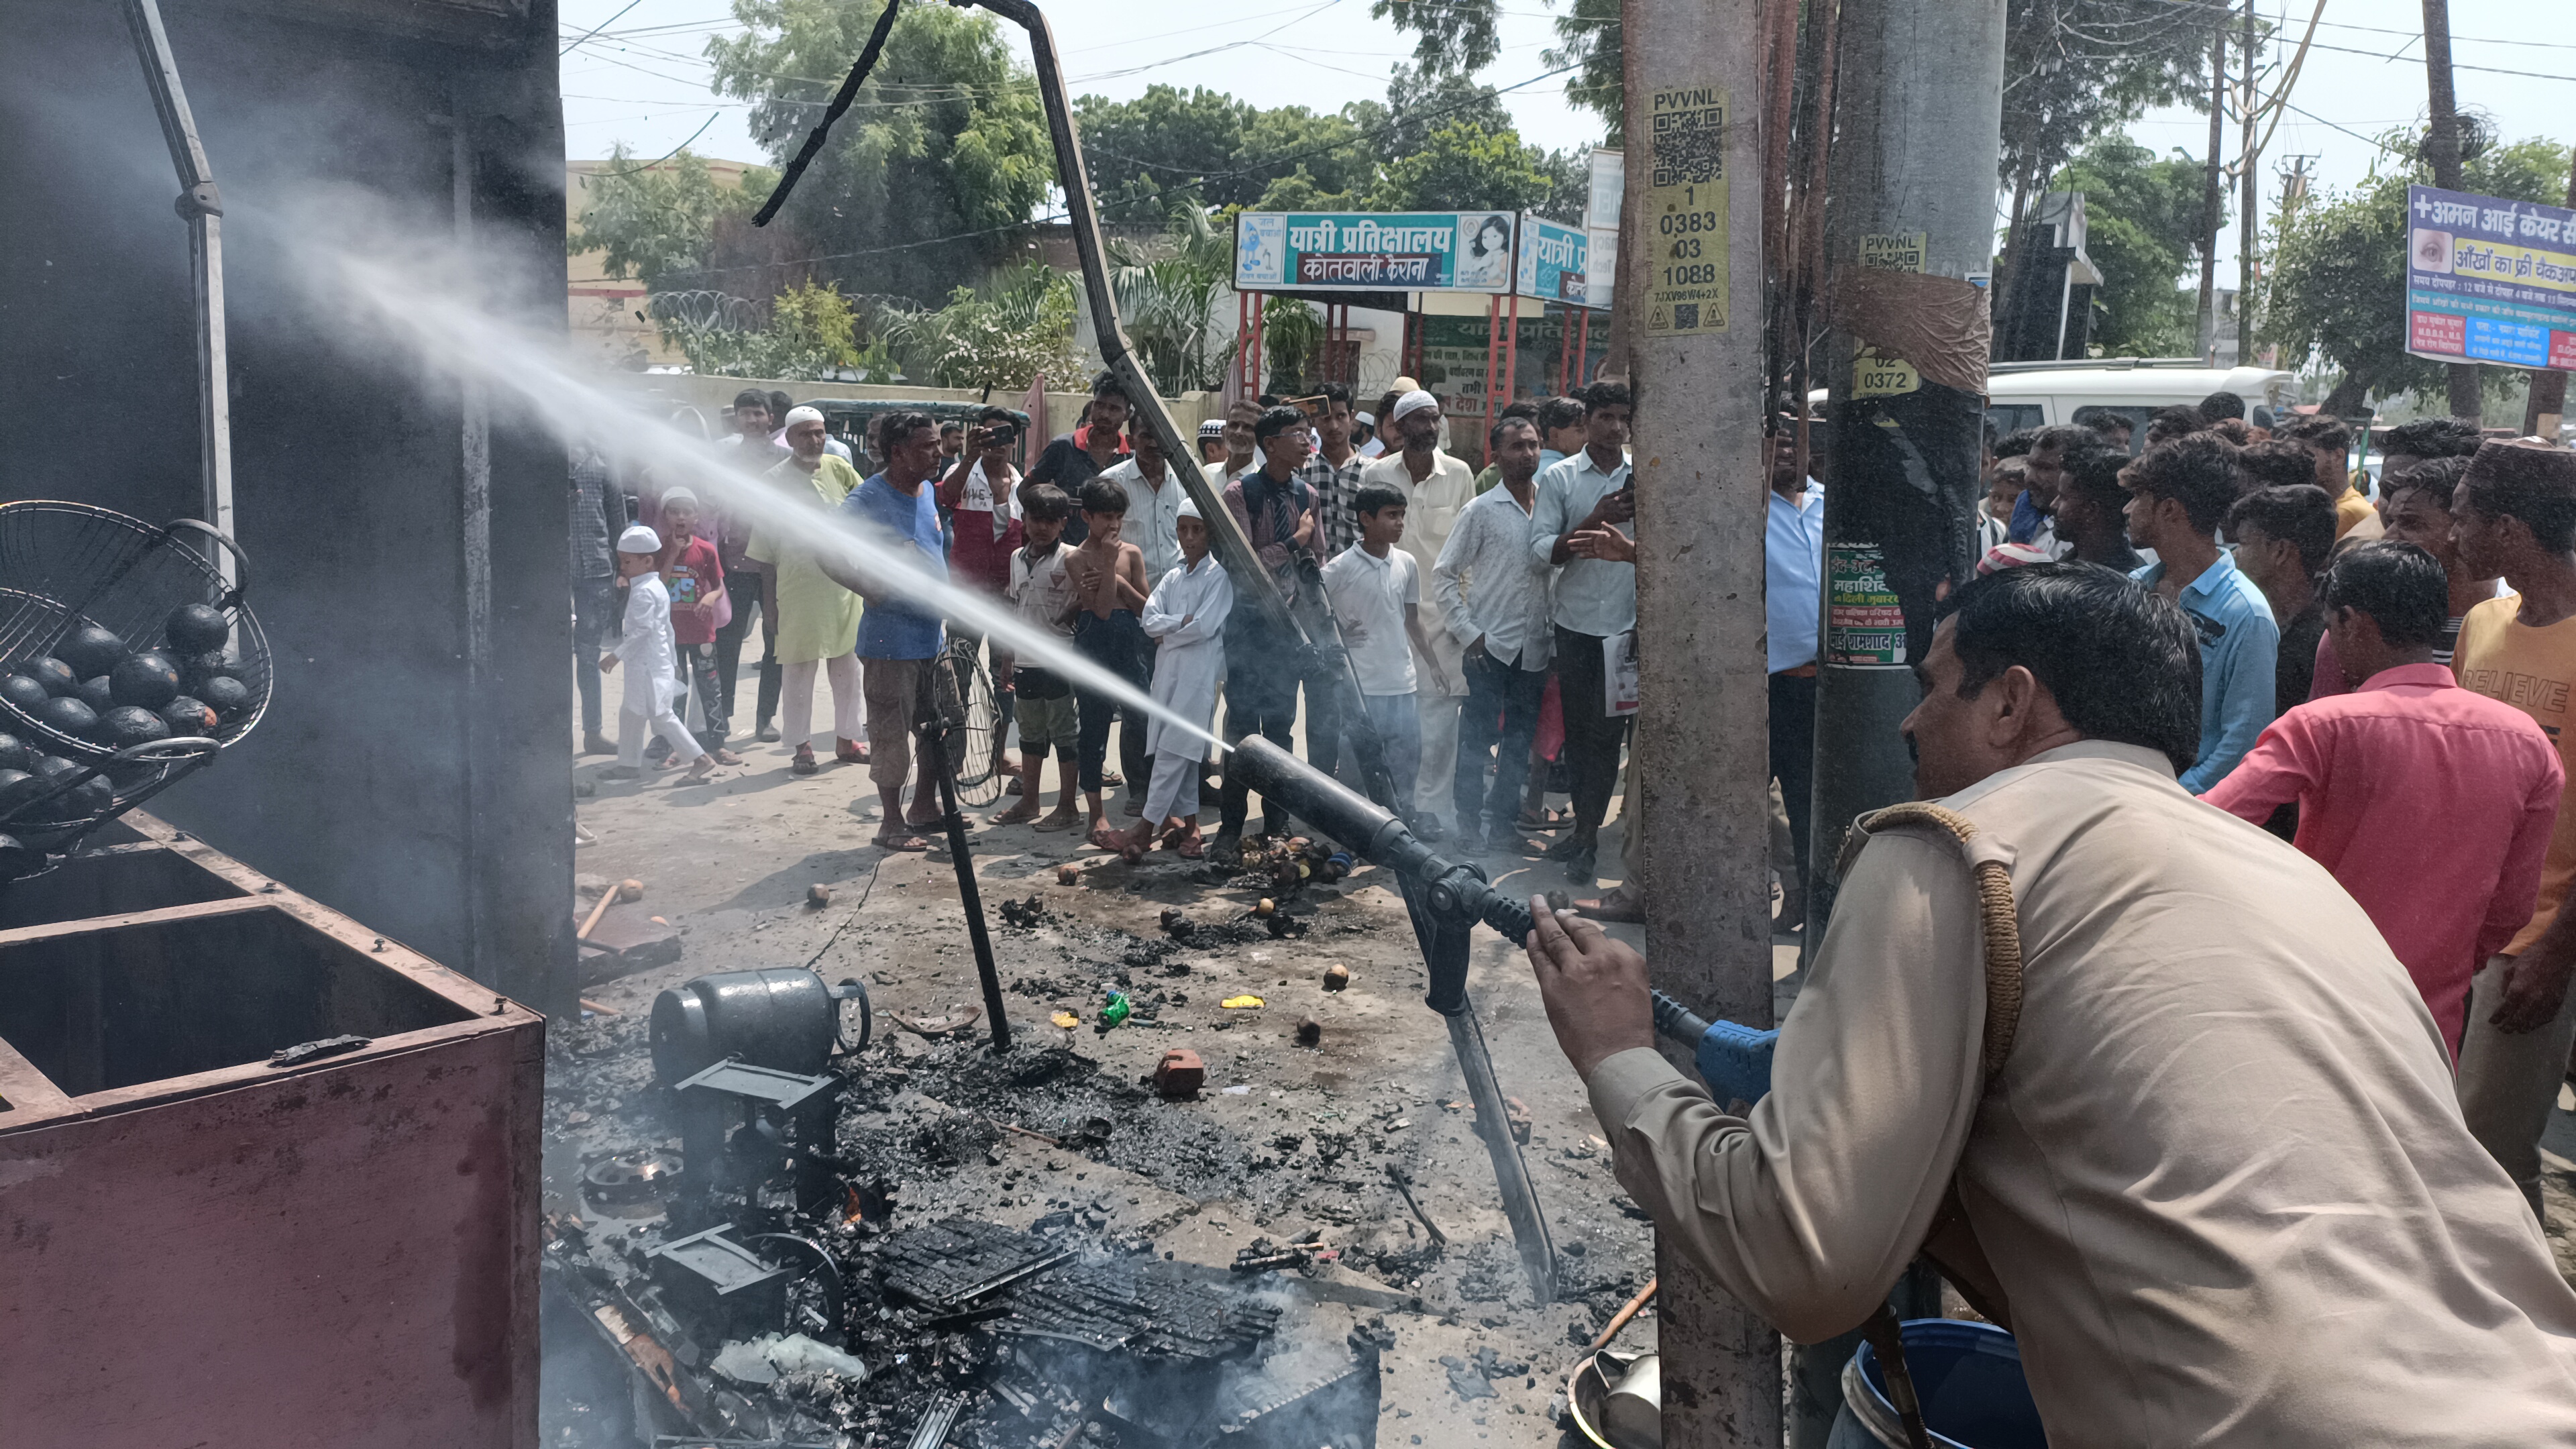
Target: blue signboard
[1439, 251]
[1555, 262]
[2490, 280]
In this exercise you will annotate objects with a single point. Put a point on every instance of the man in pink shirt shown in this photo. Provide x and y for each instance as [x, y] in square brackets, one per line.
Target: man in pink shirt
[2431, 805]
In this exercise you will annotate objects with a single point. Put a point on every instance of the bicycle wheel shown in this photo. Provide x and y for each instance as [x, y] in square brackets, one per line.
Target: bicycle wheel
[965, 702]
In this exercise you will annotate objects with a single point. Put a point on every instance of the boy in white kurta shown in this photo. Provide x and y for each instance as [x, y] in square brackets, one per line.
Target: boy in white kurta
[653, 663]
[1186, 616]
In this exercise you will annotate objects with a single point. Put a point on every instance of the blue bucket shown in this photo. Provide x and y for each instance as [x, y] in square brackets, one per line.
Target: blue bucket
[1967, 1377]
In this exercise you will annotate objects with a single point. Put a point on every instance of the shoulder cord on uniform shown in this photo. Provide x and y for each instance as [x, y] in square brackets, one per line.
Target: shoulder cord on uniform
[1997, 915]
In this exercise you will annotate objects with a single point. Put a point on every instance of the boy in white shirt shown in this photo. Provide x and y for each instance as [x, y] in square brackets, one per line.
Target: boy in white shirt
[1375, 590]
[653, 680]
[1185, 616]
[1046, 713]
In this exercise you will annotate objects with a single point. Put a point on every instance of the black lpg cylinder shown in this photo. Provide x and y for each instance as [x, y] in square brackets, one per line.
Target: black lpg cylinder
[783, 1017]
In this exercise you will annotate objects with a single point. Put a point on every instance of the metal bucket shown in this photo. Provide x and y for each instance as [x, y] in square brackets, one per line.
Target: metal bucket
[782, 1017]
[1966, 1375]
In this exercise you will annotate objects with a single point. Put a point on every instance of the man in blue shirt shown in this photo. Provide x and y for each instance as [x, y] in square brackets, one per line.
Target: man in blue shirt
[1793, 570]
[1582, 503]
[897, 638]
[2178, 494]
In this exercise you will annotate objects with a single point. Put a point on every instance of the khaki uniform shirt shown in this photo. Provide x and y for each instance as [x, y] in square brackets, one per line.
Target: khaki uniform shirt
[2221, 1180]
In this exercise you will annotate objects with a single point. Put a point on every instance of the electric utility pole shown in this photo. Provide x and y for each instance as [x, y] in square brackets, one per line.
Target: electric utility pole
[2210, 194]
[2442, 149]
[1910, 219]
[2546, 412]
[1909, 222]
[1691, 266]
[2248, 202]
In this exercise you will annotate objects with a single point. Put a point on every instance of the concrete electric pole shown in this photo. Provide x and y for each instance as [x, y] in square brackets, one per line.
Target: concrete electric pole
[1691, 264]
[1909, 235]
[2210, 193]
[2442, 150]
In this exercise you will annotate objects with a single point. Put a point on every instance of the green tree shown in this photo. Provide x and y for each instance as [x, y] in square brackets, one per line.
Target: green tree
[1464, 167]
[2143, 215]
[1588, 40]
[2337, 284]
[1205, 148]
[1015, 328]
[931, 178]
[658, 220]
[1167, 297]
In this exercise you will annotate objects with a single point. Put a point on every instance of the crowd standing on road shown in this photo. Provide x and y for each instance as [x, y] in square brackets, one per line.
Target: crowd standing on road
[2384, 673]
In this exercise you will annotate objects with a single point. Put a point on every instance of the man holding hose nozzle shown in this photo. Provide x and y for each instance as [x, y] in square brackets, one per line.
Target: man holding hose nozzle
[2201, 1149]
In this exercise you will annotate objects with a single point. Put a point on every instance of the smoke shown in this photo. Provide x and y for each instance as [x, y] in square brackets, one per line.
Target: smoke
[420, 296]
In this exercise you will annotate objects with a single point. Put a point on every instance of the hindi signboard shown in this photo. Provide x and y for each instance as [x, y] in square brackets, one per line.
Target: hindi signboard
[1405, 251]
[1555, 262]
[2490, 280]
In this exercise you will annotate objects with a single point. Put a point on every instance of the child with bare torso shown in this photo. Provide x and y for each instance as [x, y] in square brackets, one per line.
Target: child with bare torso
[1110, 589]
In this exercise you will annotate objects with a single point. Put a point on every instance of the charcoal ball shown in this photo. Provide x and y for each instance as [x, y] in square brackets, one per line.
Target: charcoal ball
[54, 675]
[17, 787]
[22, 693]
[99, 694]
[196, 669]
[149, 679]
[14, 754]
[131, 724]
[227, 696]
[69, 716]
[90, 651]
[17, 858]
[90, 797]
[54, 767]
[196, 628]
[188, 716]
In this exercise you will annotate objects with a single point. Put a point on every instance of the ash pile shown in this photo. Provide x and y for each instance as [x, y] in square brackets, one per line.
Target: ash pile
[744, 1280]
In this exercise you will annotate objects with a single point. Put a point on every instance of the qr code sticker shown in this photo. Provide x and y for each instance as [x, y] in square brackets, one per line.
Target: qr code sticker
[1689, 147]
[1685, 316]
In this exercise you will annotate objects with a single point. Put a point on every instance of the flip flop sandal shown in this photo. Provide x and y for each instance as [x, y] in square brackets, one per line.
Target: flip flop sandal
[1192, 847]
[1053, 823]
[1544, 820]
[910, 844]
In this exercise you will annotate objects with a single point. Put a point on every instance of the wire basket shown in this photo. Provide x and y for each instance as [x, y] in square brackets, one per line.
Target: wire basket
[68, 567]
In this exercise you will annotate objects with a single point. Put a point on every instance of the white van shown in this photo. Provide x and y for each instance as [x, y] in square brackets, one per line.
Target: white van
[2037, 394]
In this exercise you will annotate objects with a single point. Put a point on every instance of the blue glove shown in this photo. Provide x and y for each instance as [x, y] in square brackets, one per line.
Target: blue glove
[1735, 1061]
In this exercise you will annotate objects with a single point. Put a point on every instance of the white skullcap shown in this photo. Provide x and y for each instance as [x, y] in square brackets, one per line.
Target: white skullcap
[1190, 509]
[677, 495]
[1414, 402]
[803, 415]
[639, 539]
[1212, 428]
[1366, 420]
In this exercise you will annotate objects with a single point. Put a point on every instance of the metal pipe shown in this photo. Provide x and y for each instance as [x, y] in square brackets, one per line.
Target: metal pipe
[934, 747]
[202, 207]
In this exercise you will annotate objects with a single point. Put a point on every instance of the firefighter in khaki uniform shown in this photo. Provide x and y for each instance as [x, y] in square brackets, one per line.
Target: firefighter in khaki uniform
[2209, 1164]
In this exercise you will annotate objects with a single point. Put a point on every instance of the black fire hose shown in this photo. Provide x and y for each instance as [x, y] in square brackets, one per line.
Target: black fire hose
[1454, 890]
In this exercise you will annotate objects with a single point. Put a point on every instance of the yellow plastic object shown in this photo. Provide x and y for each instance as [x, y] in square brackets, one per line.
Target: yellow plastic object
[1066, 1019]
[1237, 1003]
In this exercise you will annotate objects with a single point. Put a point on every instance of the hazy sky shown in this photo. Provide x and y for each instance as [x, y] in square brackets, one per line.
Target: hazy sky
[641, 79]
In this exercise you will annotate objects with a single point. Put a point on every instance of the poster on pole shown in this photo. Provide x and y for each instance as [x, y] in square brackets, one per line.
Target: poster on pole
[1685, 211]
[1609, 178]
[1401, 251]
[2490, 280]
[1864, 621]
[1555, 262]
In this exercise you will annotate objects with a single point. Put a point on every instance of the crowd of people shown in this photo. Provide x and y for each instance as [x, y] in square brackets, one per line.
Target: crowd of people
[2384, 672]
[2384, 683]
[1482, 617]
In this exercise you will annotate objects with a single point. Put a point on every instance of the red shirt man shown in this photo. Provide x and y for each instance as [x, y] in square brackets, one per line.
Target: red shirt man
[2430, 804]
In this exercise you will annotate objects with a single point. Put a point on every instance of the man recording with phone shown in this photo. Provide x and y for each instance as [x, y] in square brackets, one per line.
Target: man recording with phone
[1584, 524]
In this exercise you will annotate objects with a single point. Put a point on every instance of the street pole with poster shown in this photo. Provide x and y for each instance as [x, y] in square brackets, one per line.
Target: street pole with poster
[1908, 234]
[1700, 759]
